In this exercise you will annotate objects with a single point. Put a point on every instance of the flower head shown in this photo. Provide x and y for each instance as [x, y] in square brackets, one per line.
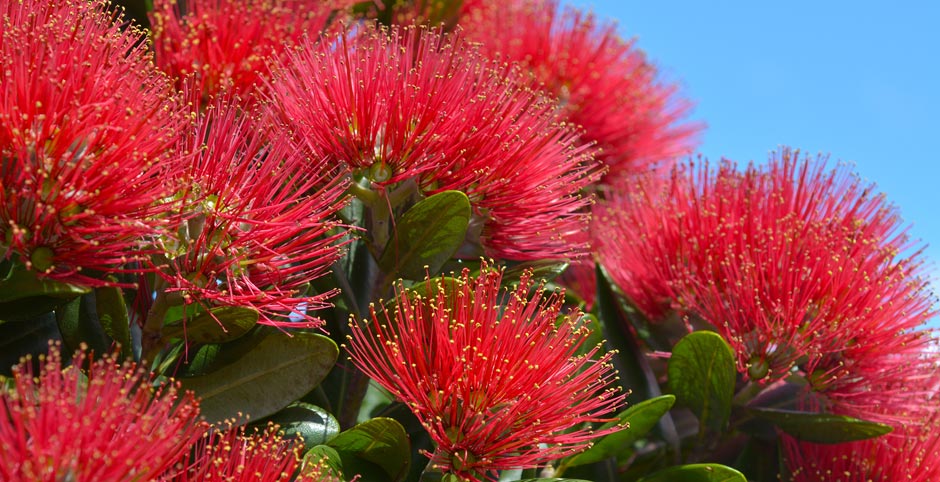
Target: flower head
[493, 378]
[237, 455]
[910, 453]
[225, 44]
[410, 104]
[109, 425]
[255, 226]
[799, 267]
[85, 126]
[602, 82]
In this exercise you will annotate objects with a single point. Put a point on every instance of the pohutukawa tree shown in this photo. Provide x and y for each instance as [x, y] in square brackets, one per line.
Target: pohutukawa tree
[205, 215]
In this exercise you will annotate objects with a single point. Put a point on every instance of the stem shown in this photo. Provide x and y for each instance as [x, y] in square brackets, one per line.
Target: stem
[746, 394]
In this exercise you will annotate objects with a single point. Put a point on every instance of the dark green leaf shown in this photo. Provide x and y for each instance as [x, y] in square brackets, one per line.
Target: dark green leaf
[112, 314]
[266, 378]
[21, 338]
[24, 296]
[546, 270]
[427, 235]
[23, 283]
[313, 424]
[218, 325]
[702, 375]
[78, 324]
[821, 427]
[696, 473]
[382, 441]
[637, 420]
[635, 371]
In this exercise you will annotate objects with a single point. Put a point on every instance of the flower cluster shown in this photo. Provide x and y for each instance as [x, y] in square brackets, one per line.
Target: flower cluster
[241, 242]
[86, 124]
[108, 425]
[225, 45]
[237, 455]
[797, 266]
[491, 375]
[411, 104]
[103, 420]
[602, 82]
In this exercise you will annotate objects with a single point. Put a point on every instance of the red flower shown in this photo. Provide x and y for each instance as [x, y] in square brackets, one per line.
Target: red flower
[226, 43]
[603, 83]
[85, 126]
[256, 223]
[494, 380]
[797, 266]
[237, 456]
[111, 426]
[911, 453]
[418, 105]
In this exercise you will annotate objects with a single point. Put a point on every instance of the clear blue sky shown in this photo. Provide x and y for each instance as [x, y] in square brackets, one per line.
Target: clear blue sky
[857, 80]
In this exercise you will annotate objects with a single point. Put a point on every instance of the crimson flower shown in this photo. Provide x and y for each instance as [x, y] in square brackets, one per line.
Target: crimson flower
[910, 453]
[108, 426]
[491, 375]
[235, 455]
[409, 104]
[799, 267]
[85, 126]
[256, 222]
[602, 82]
[225, 44]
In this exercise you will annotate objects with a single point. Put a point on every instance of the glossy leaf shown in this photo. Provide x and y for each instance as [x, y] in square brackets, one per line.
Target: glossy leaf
[21, 338]
[266, 378]
[112, 315]
[822, 428]
[382, 441]
[635, 371]
[427, 235]
[313, 424]
[546, 270]
[702, 375]
[218, 325]
[24, 296]
[696, 473]
[323, 456]
[78, 325]
[637, 420]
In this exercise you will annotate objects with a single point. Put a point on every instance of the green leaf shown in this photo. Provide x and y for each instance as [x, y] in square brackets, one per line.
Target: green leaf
[382, 441]
[18, 339]
[78, 324]
[112, 315]
[702, 375]
[218, 325]
[427, 235]
[313, 424]
[635, 371]
[323, 456]
[546, 270]
[266, 378]
[24, 296]
[23, 283]
[821, 428]
[696, 473]
[637, 420]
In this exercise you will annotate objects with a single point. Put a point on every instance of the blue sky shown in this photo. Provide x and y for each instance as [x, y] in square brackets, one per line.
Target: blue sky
[857, 80]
